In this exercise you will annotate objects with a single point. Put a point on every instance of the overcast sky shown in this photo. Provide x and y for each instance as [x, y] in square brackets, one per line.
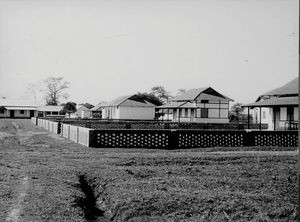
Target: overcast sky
[105, 49]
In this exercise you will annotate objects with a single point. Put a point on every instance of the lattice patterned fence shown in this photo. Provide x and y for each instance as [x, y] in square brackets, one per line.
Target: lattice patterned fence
[132, 138]
[198, 138]
[275, 138]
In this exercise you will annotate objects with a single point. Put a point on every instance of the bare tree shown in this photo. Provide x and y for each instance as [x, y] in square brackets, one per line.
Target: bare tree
[181, 91]
[34, 88]
[54, 90]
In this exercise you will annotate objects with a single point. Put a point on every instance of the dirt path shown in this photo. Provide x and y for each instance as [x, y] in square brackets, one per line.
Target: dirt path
[29, 167]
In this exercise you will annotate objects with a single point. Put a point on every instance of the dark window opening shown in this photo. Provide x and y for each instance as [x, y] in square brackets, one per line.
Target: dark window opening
[204, 101]
[22, 111]
[204, 112]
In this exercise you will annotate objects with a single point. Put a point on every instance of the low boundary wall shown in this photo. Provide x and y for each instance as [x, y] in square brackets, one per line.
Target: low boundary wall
[168, 138]
[174, 139]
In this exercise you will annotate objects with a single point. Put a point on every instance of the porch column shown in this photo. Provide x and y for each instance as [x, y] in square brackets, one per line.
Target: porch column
[248, 117]
[259, 118]
[290, 118]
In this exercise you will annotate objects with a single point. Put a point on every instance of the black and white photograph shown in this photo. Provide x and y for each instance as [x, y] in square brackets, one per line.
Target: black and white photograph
[149, 110]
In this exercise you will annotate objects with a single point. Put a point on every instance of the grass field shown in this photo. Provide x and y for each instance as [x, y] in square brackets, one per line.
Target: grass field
[44, 177]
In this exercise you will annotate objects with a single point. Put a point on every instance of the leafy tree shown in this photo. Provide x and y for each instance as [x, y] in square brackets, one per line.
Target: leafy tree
[69, 107]
[87, 105]
[236, 111]
[141, 97]
[161, 93]
[54, 90]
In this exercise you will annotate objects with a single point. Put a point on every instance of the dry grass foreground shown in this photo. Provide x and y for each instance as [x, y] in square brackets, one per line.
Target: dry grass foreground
[44, 177]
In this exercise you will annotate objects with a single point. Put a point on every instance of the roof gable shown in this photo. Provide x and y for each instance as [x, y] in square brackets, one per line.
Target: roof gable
[193, 94]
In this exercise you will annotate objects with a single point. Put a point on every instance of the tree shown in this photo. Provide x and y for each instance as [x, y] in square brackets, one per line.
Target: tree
[161, 93]
[141, 97]
[236, 110]
[69, 107]
[54, 90]
[87, 105]
[34, 88]
[181, 91]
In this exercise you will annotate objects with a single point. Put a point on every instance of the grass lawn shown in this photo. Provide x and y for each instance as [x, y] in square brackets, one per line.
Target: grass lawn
[44, 177]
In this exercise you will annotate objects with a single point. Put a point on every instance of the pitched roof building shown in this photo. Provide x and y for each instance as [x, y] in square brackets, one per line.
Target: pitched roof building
[128, 107]
[197, 105]
[279, 107]
[10, 108]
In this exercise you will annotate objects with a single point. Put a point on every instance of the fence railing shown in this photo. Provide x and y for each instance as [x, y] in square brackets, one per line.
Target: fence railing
[166, 138]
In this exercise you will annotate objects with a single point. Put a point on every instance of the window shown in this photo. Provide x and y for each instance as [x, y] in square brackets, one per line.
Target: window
[295, 113]
[2, 110]
[264, 115]
[186, 112]
[22, 111]
[204, 101]
[283, 113]
[54, 113]
[204, 112]
[48, 113]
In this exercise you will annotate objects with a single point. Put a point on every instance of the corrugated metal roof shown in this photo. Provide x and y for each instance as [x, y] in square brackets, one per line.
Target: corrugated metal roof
[20, 107]
[50, 108]
[117, 101]
[189, 95]
[192, 94]
[99, 105]
[280, 101]
[16, 103]
[128, 101]
[291, 88]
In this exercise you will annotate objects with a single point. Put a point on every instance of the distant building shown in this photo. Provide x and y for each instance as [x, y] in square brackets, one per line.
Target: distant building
[128, 107]
[82, 112]
[17, 108]
[204, 105]
[278, 108]
[51, 111]
[96, 111]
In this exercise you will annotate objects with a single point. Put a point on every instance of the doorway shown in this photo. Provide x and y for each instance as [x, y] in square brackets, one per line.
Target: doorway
[12, 113]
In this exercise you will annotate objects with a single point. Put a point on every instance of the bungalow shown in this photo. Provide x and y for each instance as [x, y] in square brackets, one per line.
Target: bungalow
[51, 111]
[17, 109]
[128, 107]
[197, 105]
[278, 108]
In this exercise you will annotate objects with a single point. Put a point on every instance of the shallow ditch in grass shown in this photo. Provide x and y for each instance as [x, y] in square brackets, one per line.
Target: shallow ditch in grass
[89, 202]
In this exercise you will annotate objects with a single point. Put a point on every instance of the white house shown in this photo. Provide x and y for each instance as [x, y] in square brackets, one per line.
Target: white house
[51, 111]
[197, 105]
[17, 108]
[278, 108]
[128, 107]
[82, 112]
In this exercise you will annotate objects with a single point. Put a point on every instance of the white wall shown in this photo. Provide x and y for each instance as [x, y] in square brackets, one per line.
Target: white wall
[18, 114]
[136, 112]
